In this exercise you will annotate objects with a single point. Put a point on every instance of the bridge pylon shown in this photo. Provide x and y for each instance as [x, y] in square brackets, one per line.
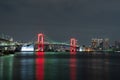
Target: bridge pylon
[40, 42]
[73, 45]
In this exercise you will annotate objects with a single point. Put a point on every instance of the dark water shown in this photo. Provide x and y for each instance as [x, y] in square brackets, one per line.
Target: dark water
[60, 66]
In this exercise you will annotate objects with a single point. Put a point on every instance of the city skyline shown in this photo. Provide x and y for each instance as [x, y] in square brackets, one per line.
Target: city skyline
[60, 20]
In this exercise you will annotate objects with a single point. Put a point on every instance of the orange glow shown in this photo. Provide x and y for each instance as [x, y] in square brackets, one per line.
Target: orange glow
[88, 49]
[40, 66]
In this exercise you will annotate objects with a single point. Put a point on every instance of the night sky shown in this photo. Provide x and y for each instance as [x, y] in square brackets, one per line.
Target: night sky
[60, 19]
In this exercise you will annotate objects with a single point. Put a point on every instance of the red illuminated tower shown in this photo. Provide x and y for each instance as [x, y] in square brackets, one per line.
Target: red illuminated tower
[40, 42]
[73, 43]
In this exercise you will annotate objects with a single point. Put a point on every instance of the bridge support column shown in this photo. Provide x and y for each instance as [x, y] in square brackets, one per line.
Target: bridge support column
[73, 43]
[40, 42]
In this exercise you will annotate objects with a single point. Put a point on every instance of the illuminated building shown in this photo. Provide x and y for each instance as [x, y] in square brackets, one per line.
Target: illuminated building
[96, 43]
[100, 44]
[27, 47]
[106, 43]
[117, 45]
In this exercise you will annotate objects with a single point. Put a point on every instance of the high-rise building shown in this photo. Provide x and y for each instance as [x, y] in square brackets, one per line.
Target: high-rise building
[99, 43]
[106, 43]
[117, 44]
[96, 43]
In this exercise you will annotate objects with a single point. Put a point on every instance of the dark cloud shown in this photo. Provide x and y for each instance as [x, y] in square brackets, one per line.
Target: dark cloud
[60, 19]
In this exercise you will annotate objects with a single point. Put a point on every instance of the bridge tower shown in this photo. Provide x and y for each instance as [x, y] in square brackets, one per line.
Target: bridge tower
[40, 42]
[73, 45]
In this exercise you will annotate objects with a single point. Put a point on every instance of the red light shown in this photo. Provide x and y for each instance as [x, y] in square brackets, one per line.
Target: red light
[73, 45]
[73, 66]
[40, 42]
[40, 66]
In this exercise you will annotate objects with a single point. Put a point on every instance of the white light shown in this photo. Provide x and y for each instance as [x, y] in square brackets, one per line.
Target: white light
[27, 48]
[81, 49]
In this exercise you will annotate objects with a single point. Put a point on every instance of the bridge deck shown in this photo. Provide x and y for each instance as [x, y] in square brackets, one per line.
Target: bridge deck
[4, 40]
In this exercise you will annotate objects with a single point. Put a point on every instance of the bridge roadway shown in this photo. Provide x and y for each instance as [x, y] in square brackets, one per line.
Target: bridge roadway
[4, 40]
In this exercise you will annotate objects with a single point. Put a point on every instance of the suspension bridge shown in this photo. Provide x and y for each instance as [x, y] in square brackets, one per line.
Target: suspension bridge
[44, 43]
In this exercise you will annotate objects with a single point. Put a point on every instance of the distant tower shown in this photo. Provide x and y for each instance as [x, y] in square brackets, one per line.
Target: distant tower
[106, 43]
[94, 43]
[73, 46]
[40, 42]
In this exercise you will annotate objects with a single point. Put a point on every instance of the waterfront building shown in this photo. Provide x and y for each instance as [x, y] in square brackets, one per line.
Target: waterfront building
[96, 43]
[106, 43]
[117, 45]
[100, 44]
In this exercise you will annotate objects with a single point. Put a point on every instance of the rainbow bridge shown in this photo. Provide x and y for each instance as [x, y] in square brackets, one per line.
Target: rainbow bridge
[43, 44]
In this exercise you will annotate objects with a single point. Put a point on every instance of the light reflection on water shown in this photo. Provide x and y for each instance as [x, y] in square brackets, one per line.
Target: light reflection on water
[27, 69]
[6, 67]
[39, 62]
[62, 66]
[73, 66]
